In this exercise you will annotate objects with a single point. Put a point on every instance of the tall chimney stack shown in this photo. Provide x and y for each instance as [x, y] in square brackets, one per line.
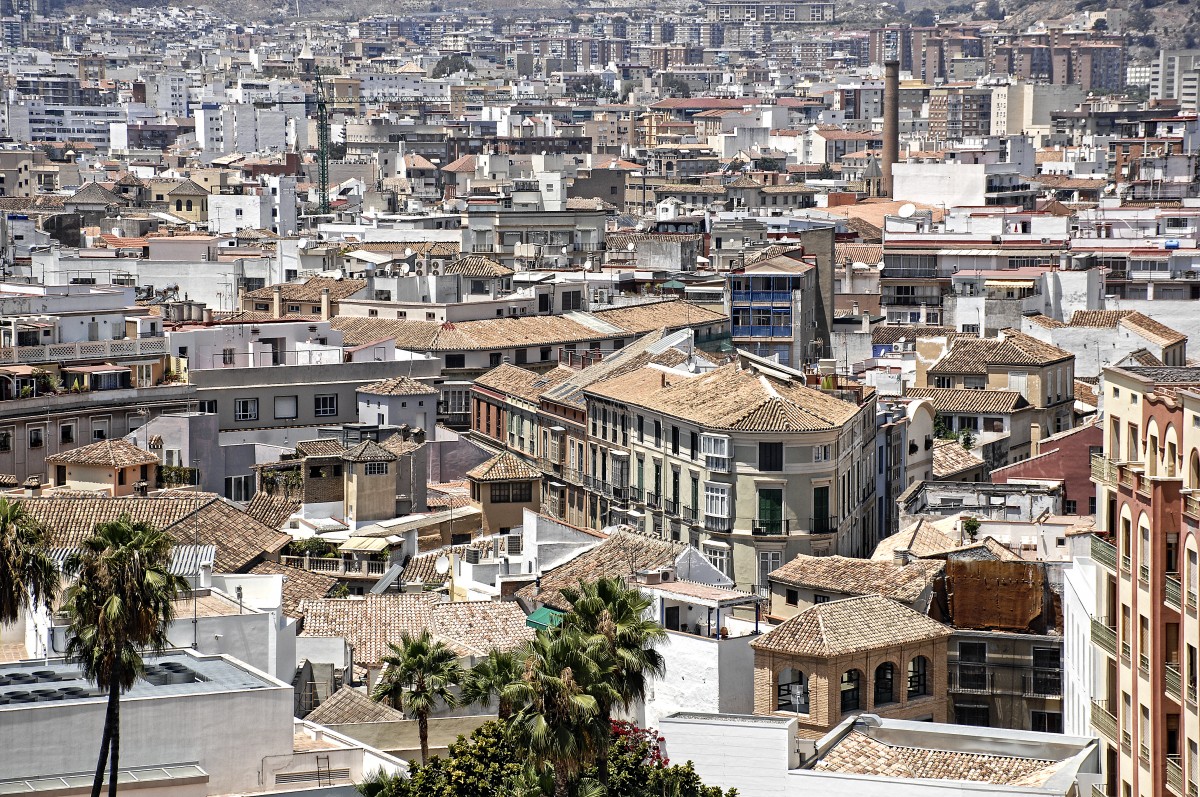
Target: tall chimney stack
[891, 122]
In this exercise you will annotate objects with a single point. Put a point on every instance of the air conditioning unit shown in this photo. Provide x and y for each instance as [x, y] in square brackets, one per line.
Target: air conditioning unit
[472, 556]
[513, 543]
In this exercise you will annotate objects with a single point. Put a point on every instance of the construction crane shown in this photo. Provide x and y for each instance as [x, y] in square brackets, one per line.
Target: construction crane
[322, 146]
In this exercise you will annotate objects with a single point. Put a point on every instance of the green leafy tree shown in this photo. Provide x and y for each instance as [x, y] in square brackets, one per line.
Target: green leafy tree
[557, 695]
[418, 674]
[28, 576]
[614, 619]
[120, 605]
[451, 65]
[967, 439]
[487, 680]
[925, 18]
[639, 769]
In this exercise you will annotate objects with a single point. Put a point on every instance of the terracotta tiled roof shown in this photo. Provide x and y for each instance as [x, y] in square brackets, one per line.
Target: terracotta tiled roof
[1086, 393]
[418, 248]
[503, 467]
[111, 453]
[272, 509]
[201, 518]
[622, 554]
[955, 400]
[860, 754]
[310, 289]
[891, 333]
[1147, 327]
[422, 568]
[840, 574]
[848, 254]
[478, 266]
[321, 447]
[920, 539]
[848, 626]
[950, 459]
[368, 451]
[504, 333]
[298, 584]
[730, 398]
[515, 381]
[464, 165]
[471, 628]
[348, 706]
[773, 251]
[974, 356]
[398, 386]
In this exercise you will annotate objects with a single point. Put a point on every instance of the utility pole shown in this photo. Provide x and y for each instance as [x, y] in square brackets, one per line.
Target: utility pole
[322, 145]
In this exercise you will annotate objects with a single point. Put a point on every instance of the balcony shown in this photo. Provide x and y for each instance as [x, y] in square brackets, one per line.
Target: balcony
[823, 525]
[637, 495]
[1173, 593]
[1104, 470]
[1191, 504]
[653, 500]
[483, 249]
[1046, 683]
[1144, 665]
[770, 527]
[762, 331]
[721, 525]
[762, 297]
[971, 679]
[1172, 680]
[688, 513]
[1143, 575]
[1174, 775]
[1104, 636]
[335, 566]
[1104, 553]
[83, 350]
[1104, 720]
[671, 506]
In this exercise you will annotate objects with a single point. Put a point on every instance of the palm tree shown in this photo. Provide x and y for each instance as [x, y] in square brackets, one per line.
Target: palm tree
[418, 673]
[120, 605]
[488, 678]
[558, 703]
[614, 618]
[28, 576]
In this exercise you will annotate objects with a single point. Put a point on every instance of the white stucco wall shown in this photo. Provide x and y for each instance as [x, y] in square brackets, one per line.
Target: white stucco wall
[1081, 585]
[751, 754]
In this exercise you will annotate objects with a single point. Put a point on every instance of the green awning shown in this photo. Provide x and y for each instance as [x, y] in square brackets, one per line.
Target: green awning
[674, 285]
[544, 618]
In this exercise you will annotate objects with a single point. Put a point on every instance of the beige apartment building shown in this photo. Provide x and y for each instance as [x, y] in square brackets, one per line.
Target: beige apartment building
[747, 462]
[1144, 633]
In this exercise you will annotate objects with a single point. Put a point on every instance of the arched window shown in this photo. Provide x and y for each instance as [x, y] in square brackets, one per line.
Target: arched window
[918, 677]
[1194, 471]
[885, 683]
[179, 204]
[189, 204]
[791, 691]
[851, 694]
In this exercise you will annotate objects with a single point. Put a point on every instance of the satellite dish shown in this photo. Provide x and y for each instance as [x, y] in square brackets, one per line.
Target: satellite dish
[302, 243]
[442, 565]
[407, 253]
[907, 210]
[565, 249]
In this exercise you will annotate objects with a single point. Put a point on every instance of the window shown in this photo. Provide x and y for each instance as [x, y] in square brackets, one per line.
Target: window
[717, 555]
[286, 408]
[791, 597]
[791, 692]
[239, 488]
[770, 456]
[851, 698]
[1070, 507]
[293, 308]
[522, 492]
[716, 452]
[545, 353]
[227, 356]
[325, 405]
[37, 437]
[943, 381]
[494, 358]
[918, 677]
[885, 683]
[820, 598]
[99, 428]
[6, 440]
[768, 562]
[521, 356]
[67, 433]
[376, 469]
[820, 454]
[207, 406]
[972, 714]
[1046, 721]
[245, 409]
[456, 361]
[716, 501]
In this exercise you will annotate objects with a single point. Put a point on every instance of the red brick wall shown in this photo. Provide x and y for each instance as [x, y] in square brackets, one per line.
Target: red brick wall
[1067, 458]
